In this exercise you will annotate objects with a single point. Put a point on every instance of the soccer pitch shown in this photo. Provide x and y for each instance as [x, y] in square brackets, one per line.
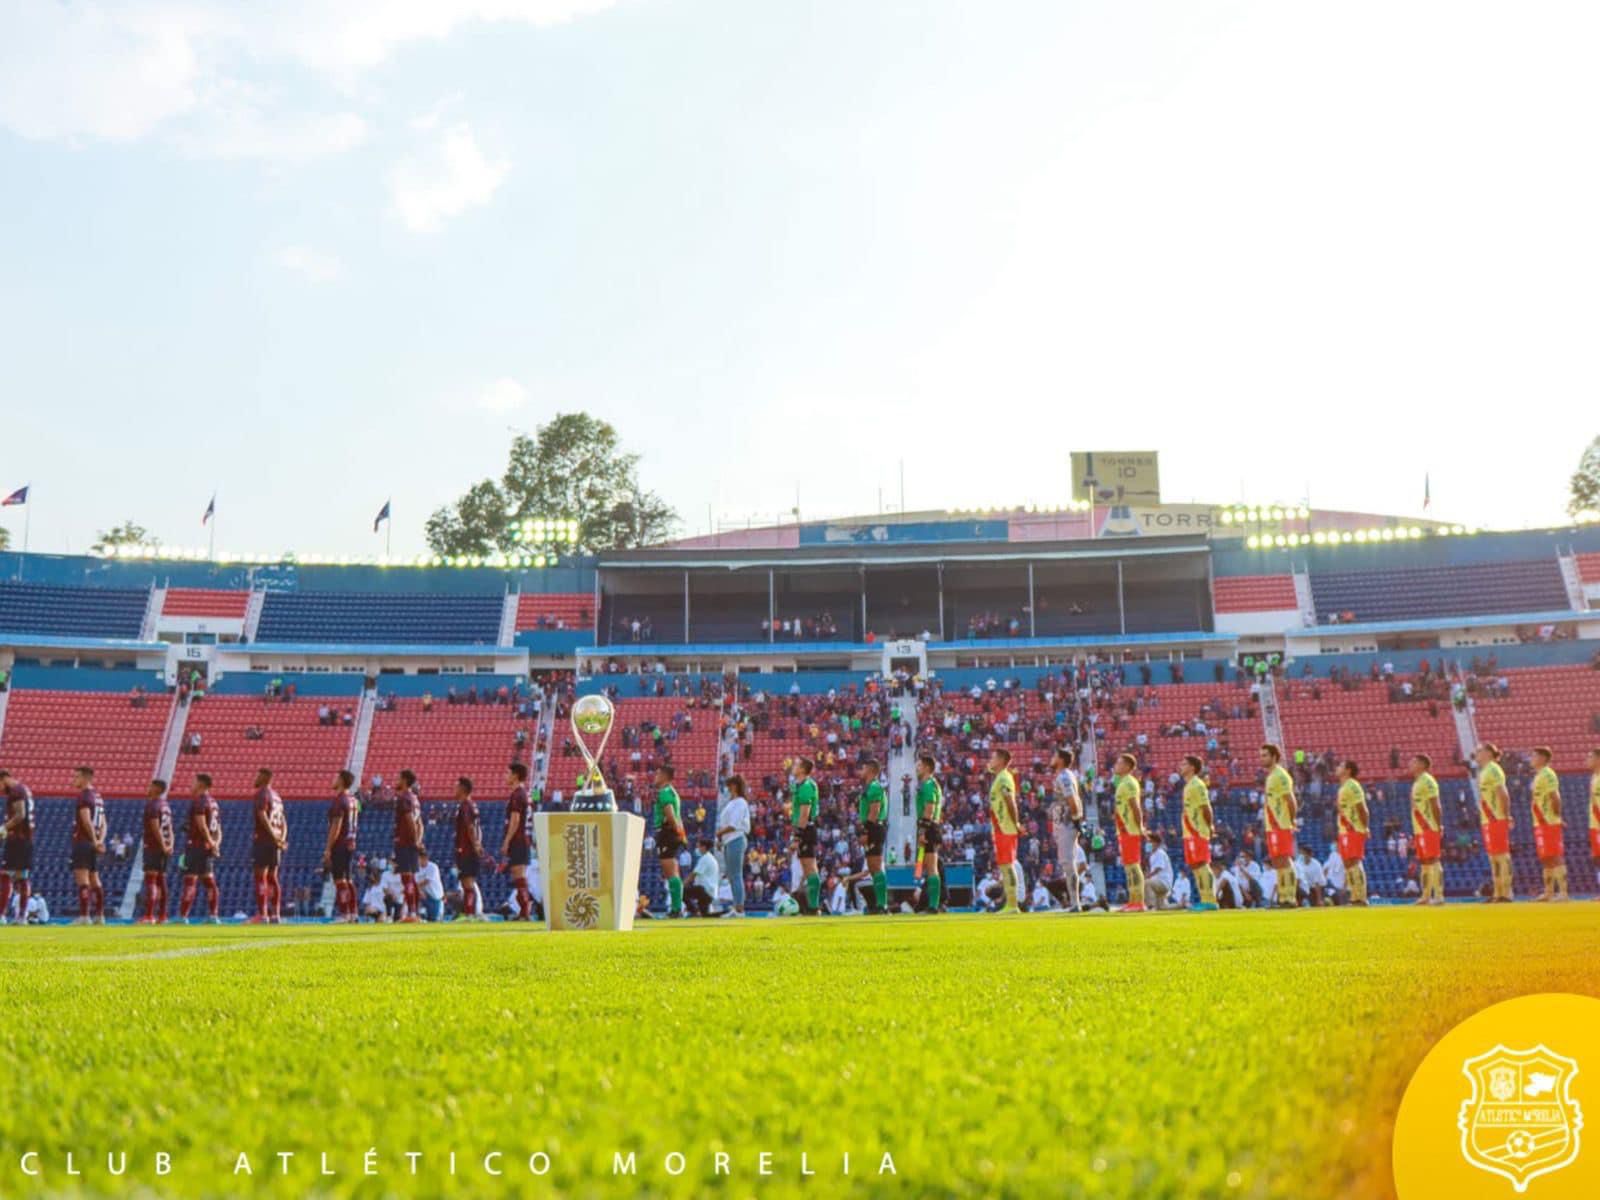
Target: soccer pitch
[1248, 1054]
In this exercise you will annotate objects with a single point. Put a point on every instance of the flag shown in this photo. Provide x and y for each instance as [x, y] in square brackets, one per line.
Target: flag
[383, 515]
[1427, 491]
[20, 496]
[211, 510]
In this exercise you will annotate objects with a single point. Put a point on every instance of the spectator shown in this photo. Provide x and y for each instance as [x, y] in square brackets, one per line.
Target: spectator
[701, 894]
[430, 885]
[1158, 876]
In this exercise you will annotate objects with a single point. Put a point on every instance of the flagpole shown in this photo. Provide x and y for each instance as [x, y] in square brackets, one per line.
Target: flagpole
[211, 546]
[388, 531]
[27, 518]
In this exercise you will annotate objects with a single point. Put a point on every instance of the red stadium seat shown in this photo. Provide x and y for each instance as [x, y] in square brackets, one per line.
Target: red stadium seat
[555, 610]
[205, 602]
[48, 733]
[1254, 593]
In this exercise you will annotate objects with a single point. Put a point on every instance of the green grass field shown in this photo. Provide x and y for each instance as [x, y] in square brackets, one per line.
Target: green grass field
[1255, 1054]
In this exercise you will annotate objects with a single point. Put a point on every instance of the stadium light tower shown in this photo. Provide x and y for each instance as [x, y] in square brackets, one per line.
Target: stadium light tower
[543, 538]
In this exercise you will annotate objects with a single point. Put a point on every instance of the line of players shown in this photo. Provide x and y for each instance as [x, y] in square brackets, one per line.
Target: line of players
[269, 839]
[1281, 817]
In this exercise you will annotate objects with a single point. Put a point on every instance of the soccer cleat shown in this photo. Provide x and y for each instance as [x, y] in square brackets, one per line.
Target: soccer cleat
[409, 920]
[1205, 906]
[258, 919]
[100, 919]
[81, 921]
[213, 920]
[1133, 908]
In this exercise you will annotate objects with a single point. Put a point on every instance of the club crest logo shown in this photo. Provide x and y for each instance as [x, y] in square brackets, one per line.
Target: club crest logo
[1520, 1120]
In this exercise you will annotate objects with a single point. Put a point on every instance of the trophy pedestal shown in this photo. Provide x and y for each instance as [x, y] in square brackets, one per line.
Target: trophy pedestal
[589, 864]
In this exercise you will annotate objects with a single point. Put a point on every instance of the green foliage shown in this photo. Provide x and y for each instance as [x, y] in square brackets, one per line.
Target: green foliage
[1584, 488]
[129, 533]
[5, 538]
[573, 467]
[1250, 1054]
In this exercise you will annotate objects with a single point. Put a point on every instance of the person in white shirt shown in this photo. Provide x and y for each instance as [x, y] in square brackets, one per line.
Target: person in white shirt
[1310, 877]
[1039, 901]
[733, 837]
[1158, 875]
[1333, 872]
[38, 911]
[1180, 892]
[372, 901]
[393, 890]
[701, 894]
[838, 901]
[430, 885]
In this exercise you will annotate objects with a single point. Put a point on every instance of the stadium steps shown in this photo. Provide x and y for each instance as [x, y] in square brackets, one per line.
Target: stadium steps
[544, 734]
[152, 613]
[508, 619]
[1466, 720]
[361, 735]
[172, 740]
[1572, 576]
[1271, 716]
[252, 614]
[5, 702]
[129, 903]
[1304, 598]
[902, 763]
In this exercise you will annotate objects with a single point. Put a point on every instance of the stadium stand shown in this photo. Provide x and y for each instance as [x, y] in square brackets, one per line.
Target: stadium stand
[1589, 567]
[1373, 722]
[554, 610]
[441, 739]
[376, 617]
[303, 753]
[72, 611]
[205, 602]
[1254, 593]
[1401, 593]
[1557, 707]
[48, 733]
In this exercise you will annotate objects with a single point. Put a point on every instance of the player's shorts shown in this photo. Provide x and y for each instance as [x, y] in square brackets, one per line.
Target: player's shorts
[1594, 843]
[930, 835]
[1497, 837]
[1280, 843]
[155, 862]
[1547, 843]
[807, 842]
[877, 834]
[1352, 845]
[84, 858]
[468, 865]
[18, 854]
[1196, 852]
[197, 862]
[265, 856]
[520, 854]
[406, 860]
[339, 863]
[668, 843]
[1426, 844]
[1130, 848]
[1005, 848]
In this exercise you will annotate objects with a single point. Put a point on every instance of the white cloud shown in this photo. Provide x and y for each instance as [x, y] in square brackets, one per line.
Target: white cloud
[313, 264]
[118, 70]
[503, 396]
[451, 176]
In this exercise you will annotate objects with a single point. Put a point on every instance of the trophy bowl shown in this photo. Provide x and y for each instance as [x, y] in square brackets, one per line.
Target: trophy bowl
[593, 717]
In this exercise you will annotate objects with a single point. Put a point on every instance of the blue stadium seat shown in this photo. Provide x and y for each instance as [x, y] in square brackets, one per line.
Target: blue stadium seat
[71, 611]
[371, 617]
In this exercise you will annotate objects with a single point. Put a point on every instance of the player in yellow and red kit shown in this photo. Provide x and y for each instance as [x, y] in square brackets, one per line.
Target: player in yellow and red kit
[1427, 828]
[1282, 811]
[1494, 813]
[1548, 829]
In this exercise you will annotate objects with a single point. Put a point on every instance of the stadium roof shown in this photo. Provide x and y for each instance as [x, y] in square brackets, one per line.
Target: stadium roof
[851, 554]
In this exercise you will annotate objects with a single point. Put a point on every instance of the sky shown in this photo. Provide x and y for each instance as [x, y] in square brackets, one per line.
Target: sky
[313, 255]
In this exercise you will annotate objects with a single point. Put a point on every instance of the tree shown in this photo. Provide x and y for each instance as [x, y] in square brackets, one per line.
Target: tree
[1585, 486]
[127, 534]
[5, 538]
[571, 468]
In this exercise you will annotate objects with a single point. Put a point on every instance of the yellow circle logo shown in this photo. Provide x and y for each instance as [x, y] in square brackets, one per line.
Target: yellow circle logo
[1496, 1109]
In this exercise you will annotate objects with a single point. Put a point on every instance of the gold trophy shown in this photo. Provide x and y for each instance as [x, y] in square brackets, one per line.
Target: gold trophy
[593, 717]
